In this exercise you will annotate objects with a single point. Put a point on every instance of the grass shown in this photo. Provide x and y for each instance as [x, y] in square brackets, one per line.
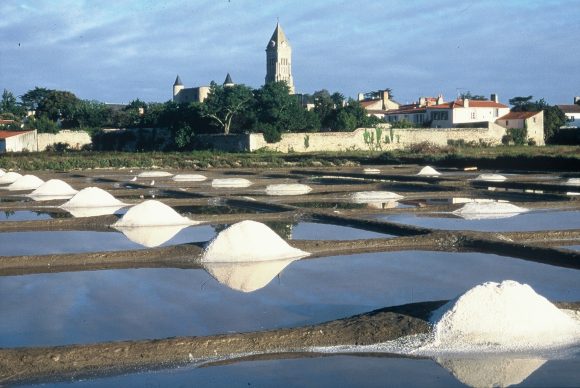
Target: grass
[562, 158]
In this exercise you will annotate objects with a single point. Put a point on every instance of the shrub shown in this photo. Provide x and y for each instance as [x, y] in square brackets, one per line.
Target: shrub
[271, 134]
[518, 135]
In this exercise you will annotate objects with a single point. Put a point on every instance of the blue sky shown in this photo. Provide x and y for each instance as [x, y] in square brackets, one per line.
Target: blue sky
[119, 50]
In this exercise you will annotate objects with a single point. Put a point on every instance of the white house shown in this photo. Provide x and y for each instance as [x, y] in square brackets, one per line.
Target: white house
[572, 113]
[532, 121]
[17, 141]
[466, 112]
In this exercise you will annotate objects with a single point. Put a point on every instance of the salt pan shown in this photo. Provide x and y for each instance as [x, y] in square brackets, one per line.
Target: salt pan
[246, 276]
[92, 197]
[249, 241]
[506, 316]
[154, 174]
[9, 177]
[189, 178]
[491, 178]
[152, 213]
[428, 171]
[26, 182]
[288, 189]
[374, 196]
[231, 182]
[488, 210]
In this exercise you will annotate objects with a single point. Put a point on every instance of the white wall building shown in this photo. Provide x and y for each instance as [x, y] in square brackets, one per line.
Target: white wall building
[462, 112]
[17, 141]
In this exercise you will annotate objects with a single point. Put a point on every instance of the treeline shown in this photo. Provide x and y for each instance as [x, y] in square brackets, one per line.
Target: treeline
[270, 109]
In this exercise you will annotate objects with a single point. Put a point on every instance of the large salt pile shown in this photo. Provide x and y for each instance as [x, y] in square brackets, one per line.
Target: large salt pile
[9, 177]
[26, 182]
[374, 196]
[491, 371]
[490, 178]
[154, 174]
[231, 182]
[53, 189]
[488, 210]
[428, 171]
[189, 178]
[246, 276]
[288, 189]
[249, 241]
[506, 316]
[152, 213]
[92, 202]
[151, 236]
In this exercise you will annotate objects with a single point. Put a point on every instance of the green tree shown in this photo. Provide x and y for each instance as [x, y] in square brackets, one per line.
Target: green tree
[91, 114]
[521, 104]
[223, 103]
[9, 107]
[468, 95]
[33, 98]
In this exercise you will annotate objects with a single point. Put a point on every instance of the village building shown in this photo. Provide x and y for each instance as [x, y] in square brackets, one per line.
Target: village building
[415, 113]
[572, 113]
[466, 113]
[533, 122]
[17, 141]
[279, 59]
[378, 106]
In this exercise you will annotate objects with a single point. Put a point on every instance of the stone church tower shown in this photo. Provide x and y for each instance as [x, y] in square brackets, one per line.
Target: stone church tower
[279, 59]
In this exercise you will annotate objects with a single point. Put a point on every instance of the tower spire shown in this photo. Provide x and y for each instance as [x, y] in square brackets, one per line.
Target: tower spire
[279, 58]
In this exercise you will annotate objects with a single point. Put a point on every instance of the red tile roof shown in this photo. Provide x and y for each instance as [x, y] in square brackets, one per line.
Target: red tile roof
[575, 108]
[366, 103]
[408, 109]
[7, 134]
[472, 104]
[518, 115]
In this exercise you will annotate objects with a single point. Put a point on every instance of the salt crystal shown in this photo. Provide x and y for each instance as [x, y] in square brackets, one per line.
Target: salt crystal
[54, 187]
[231, 182]
[154, 174]
[189, 178]
[92, 197]
[9, 177]
[491, 178]
[488, 210]
[374, 196]
[152, 213]
[288, 189]
[26, 182]
[428, 171]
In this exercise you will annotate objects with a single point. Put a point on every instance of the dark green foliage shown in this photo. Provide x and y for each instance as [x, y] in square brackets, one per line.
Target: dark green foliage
[42, 124]
[468, 95]
[224, 104]
[554, 118]
[518, 135]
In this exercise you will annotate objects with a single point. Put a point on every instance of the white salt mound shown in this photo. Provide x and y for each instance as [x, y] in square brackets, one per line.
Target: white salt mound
[371, 171]
[152, 213]
[288, 189]
[231, 182]
[154, 174]
[249, 241]
[9, 177]
[92, 197]
[570, 181]
[491, 178]
[246, 277]
[505, 316]
[189, 178]
[26, 182]
[428, 171]
[488, 210]
[374, 196]
[54, 187]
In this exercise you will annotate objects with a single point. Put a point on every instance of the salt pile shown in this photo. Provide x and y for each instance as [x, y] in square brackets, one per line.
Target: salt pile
[371, 171]
[53, 189]
[152, 213]
[231, 182]
[491, 371]
[249, 241]
[428, 171]
[151, 236]
[92, 202]
[189, 178]
[154, 174]
[2, 172]
[374, 196]
[288, 189]
[506, 316]
[9, 177]
[491, 178]
[488, 210]
[248, 276]
[26, 182]
[570, 181]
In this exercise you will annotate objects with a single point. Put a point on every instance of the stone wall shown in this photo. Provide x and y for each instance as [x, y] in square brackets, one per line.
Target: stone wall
[75, 139]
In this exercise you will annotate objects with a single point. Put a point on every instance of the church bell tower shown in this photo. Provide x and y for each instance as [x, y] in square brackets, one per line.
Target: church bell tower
[279, 59]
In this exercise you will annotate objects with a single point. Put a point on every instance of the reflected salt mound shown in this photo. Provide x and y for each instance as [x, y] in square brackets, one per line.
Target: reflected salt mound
[428, 171]
[249, 241]
[488, 210]
[500, 317]
[383, 205]
[374, 197]
[151, 236]
[189, 178]
[288, 189]
[490, 178]
[154, 174]
[371, 171]
[152, 213]
[9, 177]
[231, 182]
[92, 202]
[53, 189]
[491, 371]
[26, 182]
[246, 276]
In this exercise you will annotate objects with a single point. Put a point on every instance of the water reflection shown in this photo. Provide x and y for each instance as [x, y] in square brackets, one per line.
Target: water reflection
[150, 236]
[492, 371]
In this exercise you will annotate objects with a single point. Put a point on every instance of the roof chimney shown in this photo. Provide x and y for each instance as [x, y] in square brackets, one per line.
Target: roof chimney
[576, 99]
[494, 98]
[440, 99]
[361, 96]
[466, 102]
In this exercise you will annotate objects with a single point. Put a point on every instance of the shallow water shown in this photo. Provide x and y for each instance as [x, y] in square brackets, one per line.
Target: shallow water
[23, 215]
[93, 306]
[318, 231]
[531, 221]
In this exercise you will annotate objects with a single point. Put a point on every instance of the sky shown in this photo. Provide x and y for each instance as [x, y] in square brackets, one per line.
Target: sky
[119, 50]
